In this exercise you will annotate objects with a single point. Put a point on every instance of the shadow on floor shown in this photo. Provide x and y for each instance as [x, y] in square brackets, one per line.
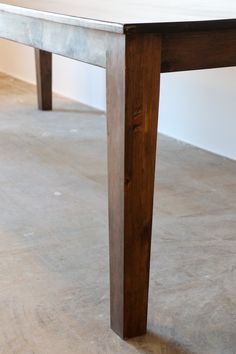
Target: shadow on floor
[154, 344]
[80, 111]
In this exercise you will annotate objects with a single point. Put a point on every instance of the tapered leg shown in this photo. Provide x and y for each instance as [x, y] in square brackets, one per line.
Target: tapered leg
[133, 80]
[44, 79]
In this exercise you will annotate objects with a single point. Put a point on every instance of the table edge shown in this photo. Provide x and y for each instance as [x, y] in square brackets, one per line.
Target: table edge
[114, 27]
[64, 19]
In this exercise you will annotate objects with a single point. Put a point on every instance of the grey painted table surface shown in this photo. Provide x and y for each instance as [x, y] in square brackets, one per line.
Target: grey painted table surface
[120, 15]
[135, 41]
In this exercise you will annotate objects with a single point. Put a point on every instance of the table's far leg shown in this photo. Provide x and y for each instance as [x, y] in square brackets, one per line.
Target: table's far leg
[133, 82]
[43, 61]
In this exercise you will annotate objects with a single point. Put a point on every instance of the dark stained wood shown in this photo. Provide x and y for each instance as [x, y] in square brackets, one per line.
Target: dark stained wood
[134, 40]
[198, 50]
[131, 15]
[44, 79]
[133, 79]
[173, 27]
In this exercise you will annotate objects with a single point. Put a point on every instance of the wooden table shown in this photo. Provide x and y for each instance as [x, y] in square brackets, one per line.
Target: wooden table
[135, 40]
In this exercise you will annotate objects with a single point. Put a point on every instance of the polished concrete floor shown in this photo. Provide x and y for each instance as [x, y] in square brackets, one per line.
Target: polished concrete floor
[54, 296]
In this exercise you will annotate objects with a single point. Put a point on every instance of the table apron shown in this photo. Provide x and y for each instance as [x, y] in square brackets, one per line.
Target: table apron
[180, 51]
[198, 50]
[83, 44]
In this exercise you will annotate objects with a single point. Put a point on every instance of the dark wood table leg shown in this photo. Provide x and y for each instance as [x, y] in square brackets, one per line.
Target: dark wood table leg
[44, 79]
[133, 80]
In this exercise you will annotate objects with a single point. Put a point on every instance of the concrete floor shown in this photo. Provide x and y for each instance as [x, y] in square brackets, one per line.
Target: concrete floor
[54, 296]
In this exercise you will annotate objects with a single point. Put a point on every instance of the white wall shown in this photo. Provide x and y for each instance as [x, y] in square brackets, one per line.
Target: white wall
[198, 107]
[79, 81]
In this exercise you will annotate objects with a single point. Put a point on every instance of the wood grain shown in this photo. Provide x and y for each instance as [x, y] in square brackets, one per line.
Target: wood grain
[133, 79]
[198, 50]
[43, 62]
[134, 15]
[193, 34]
